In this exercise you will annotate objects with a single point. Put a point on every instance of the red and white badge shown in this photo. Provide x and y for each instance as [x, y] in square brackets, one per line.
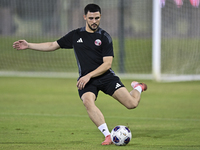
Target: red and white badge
[97, 42]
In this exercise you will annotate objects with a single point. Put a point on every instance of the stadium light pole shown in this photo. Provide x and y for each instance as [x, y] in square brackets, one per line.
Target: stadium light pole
[156, 49]
[121, 36]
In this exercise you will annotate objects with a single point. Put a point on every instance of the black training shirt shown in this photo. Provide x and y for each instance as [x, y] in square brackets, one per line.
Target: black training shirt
[89, 48]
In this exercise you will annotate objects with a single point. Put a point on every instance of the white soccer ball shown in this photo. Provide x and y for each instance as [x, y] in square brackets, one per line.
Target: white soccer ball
[121, 135]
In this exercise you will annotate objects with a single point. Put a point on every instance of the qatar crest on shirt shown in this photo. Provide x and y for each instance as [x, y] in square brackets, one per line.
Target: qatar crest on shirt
[97, 42]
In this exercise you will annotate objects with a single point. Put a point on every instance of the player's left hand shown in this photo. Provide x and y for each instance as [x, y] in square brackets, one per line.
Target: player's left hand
[82, 82]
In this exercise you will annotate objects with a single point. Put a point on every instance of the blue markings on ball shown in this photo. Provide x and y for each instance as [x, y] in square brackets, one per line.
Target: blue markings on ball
[127, 129]
[116, 128]
[127, 140]
[115, 139]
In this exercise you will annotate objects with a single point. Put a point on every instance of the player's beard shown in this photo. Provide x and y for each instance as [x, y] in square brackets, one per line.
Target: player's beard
[93, 29]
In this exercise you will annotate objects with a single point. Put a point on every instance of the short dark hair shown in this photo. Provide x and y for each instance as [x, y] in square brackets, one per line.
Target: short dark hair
[92, 8]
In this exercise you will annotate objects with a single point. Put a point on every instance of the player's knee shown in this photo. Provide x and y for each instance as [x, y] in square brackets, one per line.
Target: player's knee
[132, 105]
[88, 99]
[88, 103]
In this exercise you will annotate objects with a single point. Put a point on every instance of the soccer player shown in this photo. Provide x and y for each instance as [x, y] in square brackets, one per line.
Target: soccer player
[93, 49]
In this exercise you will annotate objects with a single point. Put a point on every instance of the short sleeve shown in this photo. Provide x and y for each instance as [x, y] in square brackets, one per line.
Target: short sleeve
[107, 45]
[66, 41]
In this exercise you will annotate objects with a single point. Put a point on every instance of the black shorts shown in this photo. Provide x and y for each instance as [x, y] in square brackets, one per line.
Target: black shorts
[107, 83]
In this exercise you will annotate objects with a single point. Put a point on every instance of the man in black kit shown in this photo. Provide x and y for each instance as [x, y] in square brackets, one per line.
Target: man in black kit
[93, 49]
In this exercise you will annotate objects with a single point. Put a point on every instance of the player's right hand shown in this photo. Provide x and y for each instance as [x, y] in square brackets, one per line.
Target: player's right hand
[20, 45]
[82, 82]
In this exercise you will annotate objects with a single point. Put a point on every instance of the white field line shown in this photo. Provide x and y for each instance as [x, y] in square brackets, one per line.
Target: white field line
[119, 117]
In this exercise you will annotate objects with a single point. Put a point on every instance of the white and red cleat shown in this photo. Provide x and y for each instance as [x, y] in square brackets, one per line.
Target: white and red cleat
[134, 84]
[107, 141]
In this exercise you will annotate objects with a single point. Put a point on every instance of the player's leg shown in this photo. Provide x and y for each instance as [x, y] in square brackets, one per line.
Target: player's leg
[96, 115]
[129, 100]
[132, 99]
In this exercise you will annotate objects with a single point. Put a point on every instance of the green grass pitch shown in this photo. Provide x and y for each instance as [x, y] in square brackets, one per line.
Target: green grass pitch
[46, 113]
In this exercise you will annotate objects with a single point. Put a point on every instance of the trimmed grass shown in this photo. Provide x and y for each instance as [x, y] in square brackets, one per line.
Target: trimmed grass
[46, 113]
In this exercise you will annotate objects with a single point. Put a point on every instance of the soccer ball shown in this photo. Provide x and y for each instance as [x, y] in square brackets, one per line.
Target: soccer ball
[121, 135]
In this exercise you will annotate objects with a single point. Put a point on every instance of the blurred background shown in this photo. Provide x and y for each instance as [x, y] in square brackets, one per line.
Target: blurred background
[129, 22]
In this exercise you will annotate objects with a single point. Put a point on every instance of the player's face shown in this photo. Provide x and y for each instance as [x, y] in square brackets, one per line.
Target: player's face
[92, 21]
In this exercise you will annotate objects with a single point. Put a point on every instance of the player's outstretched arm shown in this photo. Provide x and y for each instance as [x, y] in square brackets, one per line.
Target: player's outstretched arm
[48, 46]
